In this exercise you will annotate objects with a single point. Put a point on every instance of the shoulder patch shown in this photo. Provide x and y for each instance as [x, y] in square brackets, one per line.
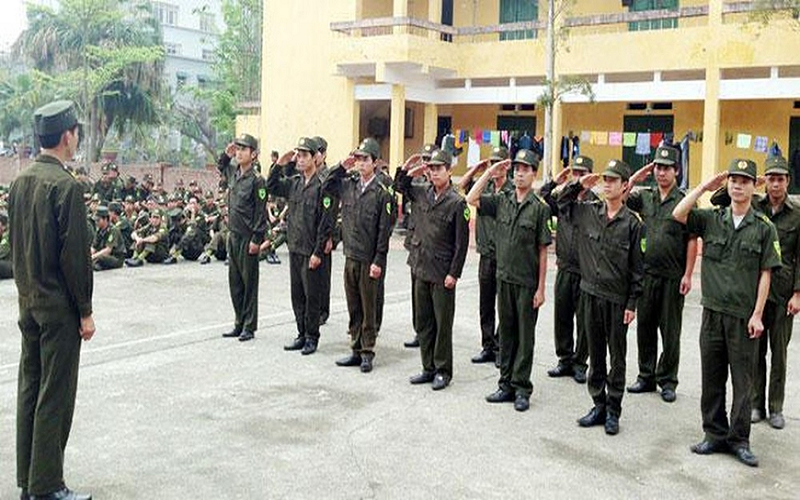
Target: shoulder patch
[776, 244]
[389, 208]
[763, 217]
[636, 214]
[539, 197]
[643, 244]
[326, 202]
[467, 214]
[262, 194]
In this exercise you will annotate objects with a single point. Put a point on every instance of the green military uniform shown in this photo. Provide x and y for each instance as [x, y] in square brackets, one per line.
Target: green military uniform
[336, 235]
[366, 224]
[154, 253]
[53, 272]
[733, 258]
[610, 255]
[783, 284]
[123, 225]
[247, 223]
[6, 270]
[388, 183]
[661, 304]
[438, 249]
[522, 228]
[572, 352]
[309, 226]
[111, 238]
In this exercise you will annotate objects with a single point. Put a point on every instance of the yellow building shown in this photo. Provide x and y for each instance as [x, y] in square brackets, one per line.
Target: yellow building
[409, 71]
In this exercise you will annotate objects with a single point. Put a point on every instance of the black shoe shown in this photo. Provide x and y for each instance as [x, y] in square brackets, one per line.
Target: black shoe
[497, 360]
[641, 386]
[310, 347]
[612, 424]
[668, 395]
[522, 403]
[746, 456]
[776, 420]
[484, 356]
[706, 447]
[170, 260]
[352, 360]
[204, 259]
[561, 370]
[233, 333]
[97, 267]
[422, 378]
[296, 344]
[62, 494]
[366, 363]
[594, 417]
[440, 381]
[323, 318]
[246, 335]
[580, 375]
[500, 396]
[134, 262]
[756, 416]
[412, 343]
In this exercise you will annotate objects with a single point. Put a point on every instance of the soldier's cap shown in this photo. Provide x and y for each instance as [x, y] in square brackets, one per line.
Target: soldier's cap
[666, 155]
[307, 144]
[157, 213]
[100, 212]
[131, 179]
[582, 163]
[129, 199]
[618, 168]
[743, 168]
[322, 144]
[247, 141]
[175, 213]
[210, 194]
[369, 146]
[428, 150]
[776, 165]
[499, 153]
[161, 200]
[55, 117]
[115, 207]
[527, 157]
[441, 157]
[193, 182]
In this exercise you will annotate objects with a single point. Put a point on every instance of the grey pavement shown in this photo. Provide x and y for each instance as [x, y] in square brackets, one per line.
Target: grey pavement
[168, 409]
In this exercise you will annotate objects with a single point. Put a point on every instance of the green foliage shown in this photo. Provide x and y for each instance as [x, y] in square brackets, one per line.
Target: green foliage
[766, 10]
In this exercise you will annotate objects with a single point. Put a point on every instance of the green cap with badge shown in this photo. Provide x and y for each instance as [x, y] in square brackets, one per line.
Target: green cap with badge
[527, 157]
[666, 155]
[307, 144]
[427, 150]
[776, 165]
[115, 207]
[744, 168]
[55, 118]
[499, 153]
[322, 144]
[369, 146]
[441, 157]
[101, 212]
[247, 141]
[618, 168]
[582, 163]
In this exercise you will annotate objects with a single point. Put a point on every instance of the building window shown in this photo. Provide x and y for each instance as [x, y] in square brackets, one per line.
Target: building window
[166, 13]
[172, 49]
[203, 81]
[180, 80]
[655, 24]
[513, 11]
[207, 23]
[209, 55]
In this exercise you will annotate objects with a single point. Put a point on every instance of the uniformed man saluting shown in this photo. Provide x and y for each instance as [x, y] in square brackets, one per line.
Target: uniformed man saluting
[610, 249]
[438, 250]
[53, 272]
[247, 223]
[366, 225]
[740, 250]
[522, 235]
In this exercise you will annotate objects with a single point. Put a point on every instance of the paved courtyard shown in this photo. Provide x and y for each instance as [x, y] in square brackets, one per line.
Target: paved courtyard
[167, 409]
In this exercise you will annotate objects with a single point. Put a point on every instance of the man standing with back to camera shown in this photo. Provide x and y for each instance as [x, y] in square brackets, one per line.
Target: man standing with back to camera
[247, 221]
[50, 243]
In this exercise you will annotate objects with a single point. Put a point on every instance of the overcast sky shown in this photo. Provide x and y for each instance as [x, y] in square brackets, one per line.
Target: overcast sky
[12, 22]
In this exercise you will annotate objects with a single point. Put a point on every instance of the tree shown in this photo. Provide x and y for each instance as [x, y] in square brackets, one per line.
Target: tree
[765, 10]
[106, 52]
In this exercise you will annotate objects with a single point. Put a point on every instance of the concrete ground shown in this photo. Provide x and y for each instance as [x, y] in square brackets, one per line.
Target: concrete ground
[168, 409]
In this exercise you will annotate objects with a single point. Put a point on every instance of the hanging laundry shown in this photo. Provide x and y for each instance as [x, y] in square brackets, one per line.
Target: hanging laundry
[629, 139]
[643, 143]
[743, 141]
[478, 136]
[576, 147]
[538, 146]
[487, 136]
[525, 142]
[473, 153]
[459, 138]
[615, 138]
[602, 138]
[728, 138]
[586, 136]
[684, 177]
[565, 147]
[775, 150]
[760, 145]
[655, 139]
[504, 137]
[495, 138]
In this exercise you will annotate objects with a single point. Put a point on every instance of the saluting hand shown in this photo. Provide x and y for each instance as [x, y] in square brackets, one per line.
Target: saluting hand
[349, 162]
[589, 181]
[287, 157]
[641, 174]
[411, 161]
[86, 329]
[230, 150]
[562, 176]
[715, 182]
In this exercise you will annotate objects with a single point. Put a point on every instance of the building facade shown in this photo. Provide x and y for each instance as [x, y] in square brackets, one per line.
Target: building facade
[410, 71]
